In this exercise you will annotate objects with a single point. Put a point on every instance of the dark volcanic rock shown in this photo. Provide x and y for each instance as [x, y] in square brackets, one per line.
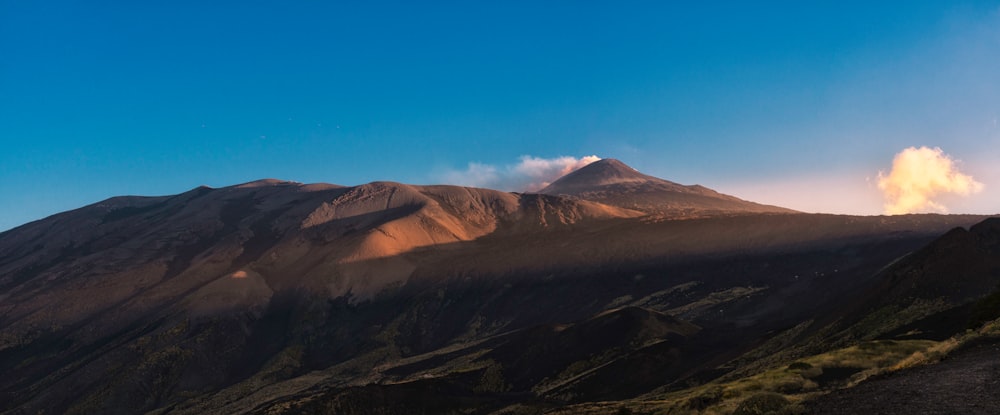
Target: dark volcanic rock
[967, 382]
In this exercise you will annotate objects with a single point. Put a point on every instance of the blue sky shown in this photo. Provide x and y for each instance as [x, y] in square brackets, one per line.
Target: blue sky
[792, 103]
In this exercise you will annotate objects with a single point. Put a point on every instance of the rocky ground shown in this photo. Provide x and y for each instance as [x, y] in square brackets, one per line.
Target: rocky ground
[967, 382]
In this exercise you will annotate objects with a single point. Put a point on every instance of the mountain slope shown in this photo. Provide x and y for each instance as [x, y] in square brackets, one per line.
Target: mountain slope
[273, 294]
[611, 182]
[134, 263]
[935, 292]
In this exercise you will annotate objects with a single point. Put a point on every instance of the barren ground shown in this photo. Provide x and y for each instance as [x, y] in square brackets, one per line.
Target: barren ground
[967, 382]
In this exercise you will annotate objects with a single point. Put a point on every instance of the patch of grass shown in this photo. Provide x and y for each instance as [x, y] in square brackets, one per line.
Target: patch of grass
[660, 299]
[706, 398]
[941, 349]
[799, 366]
[618, 302]
[492, 380]
[985, 310]
[774, 351]
[889, 318]
[713, 299]
[794, 380]
[762, 404]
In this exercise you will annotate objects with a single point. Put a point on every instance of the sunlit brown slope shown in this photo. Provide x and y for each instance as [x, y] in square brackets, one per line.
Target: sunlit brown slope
[329, 239]
[611, 182]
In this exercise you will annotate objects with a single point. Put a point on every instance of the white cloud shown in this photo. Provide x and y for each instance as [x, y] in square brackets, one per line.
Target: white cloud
[918, 177]
[528, 175]
[474, 176]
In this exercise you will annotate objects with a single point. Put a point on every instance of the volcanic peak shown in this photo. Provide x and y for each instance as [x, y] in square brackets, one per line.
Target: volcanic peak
[614, 183]
[599, 173]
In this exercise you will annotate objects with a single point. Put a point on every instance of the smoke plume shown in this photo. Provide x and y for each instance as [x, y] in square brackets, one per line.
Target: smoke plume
[530, 174]
[919, 177]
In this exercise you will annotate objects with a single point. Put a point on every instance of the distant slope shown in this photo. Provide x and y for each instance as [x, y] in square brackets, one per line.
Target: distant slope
[960, 266]
[934, 292]
[611, 182]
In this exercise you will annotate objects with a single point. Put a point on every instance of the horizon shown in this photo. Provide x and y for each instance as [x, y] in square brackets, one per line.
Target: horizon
[278, 181]
[809, 107]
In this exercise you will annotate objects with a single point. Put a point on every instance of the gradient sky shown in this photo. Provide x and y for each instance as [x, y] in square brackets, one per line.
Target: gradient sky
[793, 103]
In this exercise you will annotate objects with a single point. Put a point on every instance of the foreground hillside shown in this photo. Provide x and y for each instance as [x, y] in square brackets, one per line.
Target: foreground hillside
[277, 297]
[964, 383]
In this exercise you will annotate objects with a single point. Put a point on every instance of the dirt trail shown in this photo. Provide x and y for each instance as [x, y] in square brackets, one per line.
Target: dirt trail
[967, 382]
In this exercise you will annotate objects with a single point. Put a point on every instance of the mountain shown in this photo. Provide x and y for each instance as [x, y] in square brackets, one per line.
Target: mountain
[612, 182]
[281, 297]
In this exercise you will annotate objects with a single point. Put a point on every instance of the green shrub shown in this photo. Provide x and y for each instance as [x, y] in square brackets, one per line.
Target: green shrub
[706, 398]
[492, 380]
[762, 404]
[799, 366]
[790, 385]
[984, 310]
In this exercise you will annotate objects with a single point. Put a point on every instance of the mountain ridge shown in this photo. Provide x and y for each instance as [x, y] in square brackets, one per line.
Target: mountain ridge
[585, 184]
